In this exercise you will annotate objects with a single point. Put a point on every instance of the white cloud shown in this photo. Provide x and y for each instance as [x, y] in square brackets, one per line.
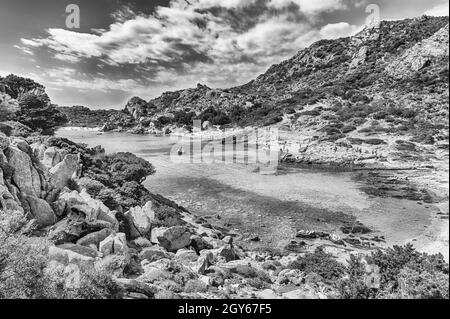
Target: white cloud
[440, 10]
[59, 78]
[24, 49]
[310, 6]
[339, 30]
[180, 45]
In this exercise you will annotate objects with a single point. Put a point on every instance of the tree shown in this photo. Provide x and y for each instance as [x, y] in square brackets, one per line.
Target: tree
[36, 113]
[16, 85]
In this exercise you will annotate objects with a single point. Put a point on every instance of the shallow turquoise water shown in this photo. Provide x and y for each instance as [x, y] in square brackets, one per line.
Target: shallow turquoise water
[272, 206]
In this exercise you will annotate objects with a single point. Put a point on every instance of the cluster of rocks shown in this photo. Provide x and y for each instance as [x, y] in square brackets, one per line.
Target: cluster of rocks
[156, 256]
[148, 253]
[31, 176]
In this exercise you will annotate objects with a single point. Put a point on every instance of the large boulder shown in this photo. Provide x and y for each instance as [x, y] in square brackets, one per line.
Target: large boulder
[68, 256]
[186, 256]
[82, 250]
[205, 260]
[7, 201]
[112, 264]
[199, 243]
[41, 211]
[22, 145]
[95, 238]
[93, 209]
[173, 238]
[137, 107]
[64, 171]
[75, 227]
[155, 253]
[115, 244]
[140, 219]
[25, 176]
[53, 156]
[66, 230]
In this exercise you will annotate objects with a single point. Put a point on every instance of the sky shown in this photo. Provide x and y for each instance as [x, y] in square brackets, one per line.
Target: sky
[143, 48]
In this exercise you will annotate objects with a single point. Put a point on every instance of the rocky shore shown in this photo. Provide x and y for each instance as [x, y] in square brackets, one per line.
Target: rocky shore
[150, 247]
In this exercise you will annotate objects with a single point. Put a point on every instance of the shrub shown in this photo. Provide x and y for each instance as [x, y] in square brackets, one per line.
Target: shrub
[355, 287]
[117, 169]
[320, 263]
[16, 85]
[36, 113]
[162, 121]
[216, 117]
[92, 187]
[184, 118]
[424, 284]
[194, 286]
[273, 120]
[394, 260]
[94, 285]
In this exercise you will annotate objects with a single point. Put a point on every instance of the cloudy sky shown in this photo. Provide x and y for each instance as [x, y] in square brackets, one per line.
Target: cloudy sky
[144, 47]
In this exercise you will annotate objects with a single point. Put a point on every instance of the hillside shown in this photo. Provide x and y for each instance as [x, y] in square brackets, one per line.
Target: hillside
[396, 74]
[347, 72]
[81, 116]
[378, 97]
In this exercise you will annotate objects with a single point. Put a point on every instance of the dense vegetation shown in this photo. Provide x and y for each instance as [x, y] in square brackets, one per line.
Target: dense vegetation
[38, 115]
[15, 86]
[80, 116]
[33, 105]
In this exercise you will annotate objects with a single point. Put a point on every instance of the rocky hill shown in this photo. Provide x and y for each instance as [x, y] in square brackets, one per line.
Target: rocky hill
[374, 98]
[351, 70]
[391, 78]
[81, 116]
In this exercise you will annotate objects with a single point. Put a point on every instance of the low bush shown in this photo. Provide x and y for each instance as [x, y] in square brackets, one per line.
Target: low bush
[320, 263]
[402, 272]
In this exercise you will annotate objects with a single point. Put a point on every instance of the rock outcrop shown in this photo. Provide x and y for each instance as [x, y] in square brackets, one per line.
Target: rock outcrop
[138, 107]
[421, 55]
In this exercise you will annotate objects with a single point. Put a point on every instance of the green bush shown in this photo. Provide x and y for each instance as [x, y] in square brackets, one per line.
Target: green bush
[394, 260]
[117, 169]
[184, 118]
[320, 263]
[36, 113]
[16, 85]
[214, 116]
[403, 273]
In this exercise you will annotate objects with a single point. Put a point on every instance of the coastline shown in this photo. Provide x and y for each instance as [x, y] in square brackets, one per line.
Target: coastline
[401, 175]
